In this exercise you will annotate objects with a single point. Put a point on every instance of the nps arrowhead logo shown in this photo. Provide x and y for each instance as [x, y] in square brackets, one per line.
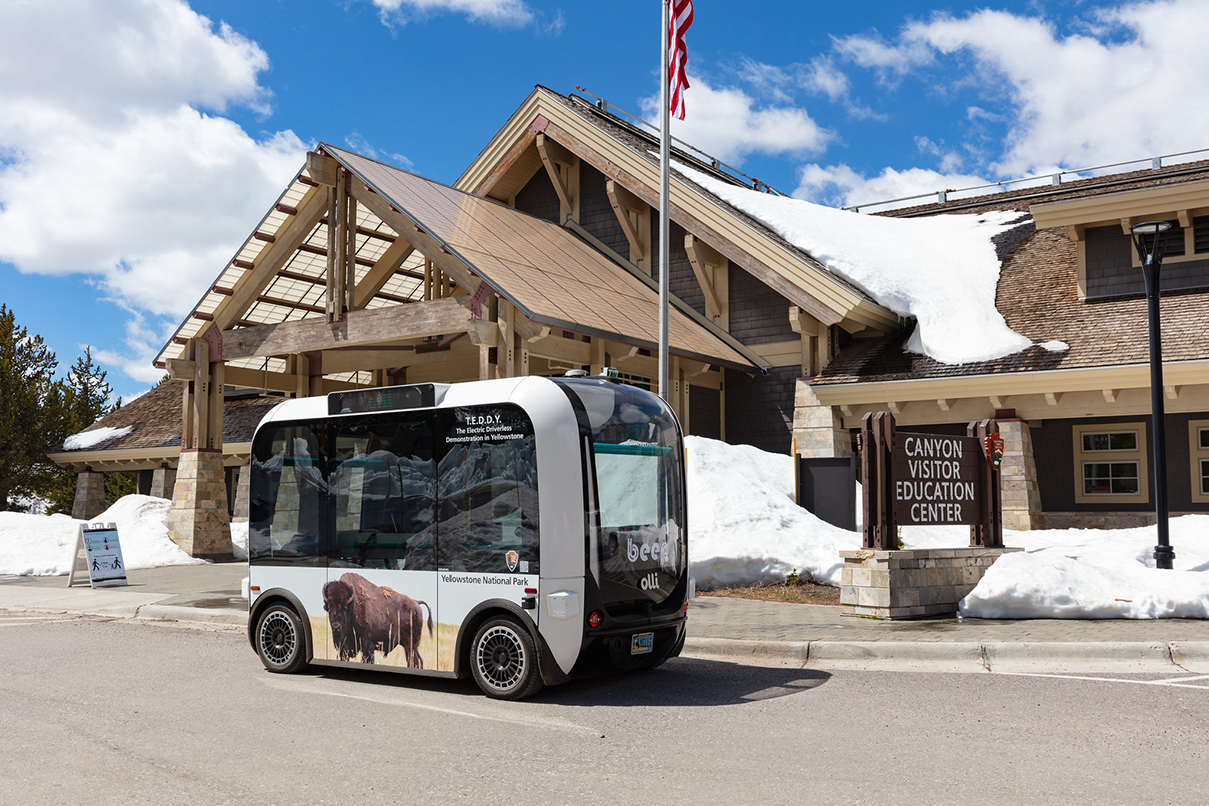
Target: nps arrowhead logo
[993, 446]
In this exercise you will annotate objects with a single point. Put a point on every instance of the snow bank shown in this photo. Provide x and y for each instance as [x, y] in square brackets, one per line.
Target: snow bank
[1096, 573]
[40, 545]
[744, 527]
[239, 539]
[90, 439]
[941, 269]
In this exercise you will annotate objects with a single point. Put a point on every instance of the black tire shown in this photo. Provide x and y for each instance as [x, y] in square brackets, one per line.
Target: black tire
[503, 660]
[280, 641]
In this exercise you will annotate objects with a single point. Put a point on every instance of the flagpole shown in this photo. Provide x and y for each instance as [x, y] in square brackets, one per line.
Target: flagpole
[664, 204]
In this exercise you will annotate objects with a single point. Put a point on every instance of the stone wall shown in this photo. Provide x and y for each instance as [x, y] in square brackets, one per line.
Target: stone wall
[911, 583]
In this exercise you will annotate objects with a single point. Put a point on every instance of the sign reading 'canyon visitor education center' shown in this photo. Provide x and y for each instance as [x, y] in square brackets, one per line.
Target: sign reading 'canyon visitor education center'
[937, 480]
[928, 480]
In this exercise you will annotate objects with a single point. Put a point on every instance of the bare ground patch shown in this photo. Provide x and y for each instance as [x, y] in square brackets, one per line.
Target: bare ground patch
[800, 593]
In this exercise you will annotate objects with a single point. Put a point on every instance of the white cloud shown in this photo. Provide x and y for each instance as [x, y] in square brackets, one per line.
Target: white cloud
[873, 52]
[496, 12]
[1129, 86]
[821, 75]
[840, 185]
[142, 343]
[110, 164]
[726, 124]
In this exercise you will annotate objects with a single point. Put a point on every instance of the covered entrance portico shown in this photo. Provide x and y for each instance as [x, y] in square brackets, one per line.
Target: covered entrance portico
[365, 275]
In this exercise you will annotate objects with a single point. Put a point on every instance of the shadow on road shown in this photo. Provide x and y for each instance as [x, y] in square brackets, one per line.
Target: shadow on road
[686, 682]
[680, 682]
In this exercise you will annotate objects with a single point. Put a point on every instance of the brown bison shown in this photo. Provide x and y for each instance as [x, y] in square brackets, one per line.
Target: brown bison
[366, 618]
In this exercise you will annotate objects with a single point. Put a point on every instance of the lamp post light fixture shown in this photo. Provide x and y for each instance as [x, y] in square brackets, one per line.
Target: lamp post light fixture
[1150, 238]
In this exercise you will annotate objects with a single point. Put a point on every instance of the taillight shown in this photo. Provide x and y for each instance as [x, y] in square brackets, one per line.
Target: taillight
[595, 618]
[531, 591]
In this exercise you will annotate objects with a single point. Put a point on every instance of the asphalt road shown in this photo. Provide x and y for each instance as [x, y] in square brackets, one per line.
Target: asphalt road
[118, 711]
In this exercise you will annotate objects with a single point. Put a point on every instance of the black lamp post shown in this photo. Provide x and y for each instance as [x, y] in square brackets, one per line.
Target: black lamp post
[1150, 237]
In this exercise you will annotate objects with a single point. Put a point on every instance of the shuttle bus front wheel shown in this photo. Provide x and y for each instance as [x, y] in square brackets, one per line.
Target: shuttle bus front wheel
[503, 660]
[279, 639]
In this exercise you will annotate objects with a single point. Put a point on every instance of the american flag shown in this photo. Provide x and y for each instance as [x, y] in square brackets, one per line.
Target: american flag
[681, 19]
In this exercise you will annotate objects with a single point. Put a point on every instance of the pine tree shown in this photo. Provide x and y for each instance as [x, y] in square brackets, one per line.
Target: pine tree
[85, 399]
[30, 424]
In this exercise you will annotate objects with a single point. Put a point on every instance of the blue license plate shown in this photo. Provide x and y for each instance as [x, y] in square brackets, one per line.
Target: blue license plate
[642, 643]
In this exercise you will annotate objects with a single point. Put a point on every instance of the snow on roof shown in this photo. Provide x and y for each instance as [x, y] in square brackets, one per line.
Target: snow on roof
[942, 270]
[89, 439]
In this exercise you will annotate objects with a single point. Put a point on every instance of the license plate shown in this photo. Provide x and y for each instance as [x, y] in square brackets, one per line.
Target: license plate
[642, 643]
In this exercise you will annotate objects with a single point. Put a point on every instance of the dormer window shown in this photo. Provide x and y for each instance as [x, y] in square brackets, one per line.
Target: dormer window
[1107, 260]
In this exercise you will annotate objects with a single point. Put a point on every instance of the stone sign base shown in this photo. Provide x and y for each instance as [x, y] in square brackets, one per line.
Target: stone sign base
[911, 583]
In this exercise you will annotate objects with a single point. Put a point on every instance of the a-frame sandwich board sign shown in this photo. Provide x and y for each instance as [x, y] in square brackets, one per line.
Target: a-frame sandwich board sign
[103, 553]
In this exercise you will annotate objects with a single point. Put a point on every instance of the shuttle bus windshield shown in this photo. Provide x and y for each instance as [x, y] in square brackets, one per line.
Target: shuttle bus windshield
[639, 489]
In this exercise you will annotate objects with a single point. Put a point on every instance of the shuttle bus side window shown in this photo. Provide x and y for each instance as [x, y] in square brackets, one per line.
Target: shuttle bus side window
[383, 486]
[487, 482]
[289, 507]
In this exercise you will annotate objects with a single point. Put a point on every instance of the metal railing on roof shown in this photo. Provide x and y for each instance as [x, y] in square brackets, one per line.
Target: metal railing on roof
[1055, 180]
[603, 106]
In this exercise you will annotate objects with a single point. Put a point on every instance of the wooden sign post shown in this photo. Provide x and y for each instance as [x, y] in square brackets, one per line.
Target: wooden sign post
[927, 480]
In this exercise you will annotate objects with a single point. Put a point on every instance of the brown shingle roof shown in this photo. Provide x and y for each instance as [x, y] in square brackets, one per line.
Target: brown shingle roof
[155, 420]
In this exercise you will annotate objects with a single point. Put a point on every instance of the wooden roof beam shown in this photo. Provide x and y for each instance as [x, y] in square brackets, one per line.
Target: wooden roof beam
[624, 202]
[702, 257]
[380, 272]
[553, 155]
[272, 258]
[391, 323]
[427, 245]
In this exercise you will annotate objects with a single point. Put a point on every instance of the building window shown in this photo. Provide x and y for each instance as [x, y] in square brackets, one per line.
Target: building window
[1110, 463]
[1198, 449]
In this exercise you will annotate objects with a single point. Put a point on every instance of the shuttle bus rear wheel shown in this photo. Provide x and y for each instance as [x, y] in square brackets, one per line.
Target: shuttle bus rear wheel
[503, 660]
[279, 639]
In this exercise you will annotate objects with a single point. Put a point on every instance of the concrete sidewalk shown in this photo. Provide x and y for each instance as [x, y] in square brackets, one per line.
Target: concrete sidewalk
[735, 629]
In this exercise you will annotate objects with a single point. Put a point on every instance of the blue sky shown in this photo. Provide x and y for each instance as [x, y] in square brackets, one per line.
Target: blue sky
[141, 140]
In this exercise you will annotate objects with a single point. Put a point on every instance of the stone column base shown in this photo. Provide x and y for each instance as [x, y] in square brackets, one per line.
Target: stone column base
[241, 508]
[198, 520]
[90, 495]
[163, 480]
[818, 431]
[911, 583]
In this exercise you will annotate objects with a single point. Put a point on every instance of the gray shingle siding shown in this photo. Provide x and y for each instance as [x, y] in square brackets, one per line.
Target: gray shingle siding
[1110, 269]
[539, 198]
[758, 314]
[759, 409]
[596, 212]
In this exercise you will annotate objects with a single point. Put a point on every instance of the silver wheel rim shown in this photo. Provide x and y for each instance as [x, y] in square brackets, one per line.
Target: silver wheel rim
[278, 638]
[500, 658]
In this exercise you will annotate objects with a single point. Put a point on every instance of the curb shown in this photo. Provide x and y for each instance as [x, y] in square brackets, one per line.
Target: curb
[203, 615]
[149, 612]
[965, 656]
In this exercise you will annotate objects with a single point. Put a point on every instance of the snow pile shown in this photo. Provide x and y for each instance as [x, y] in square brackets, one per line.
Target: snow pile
[90, 439]
[941, 269]
[40, 544]
[1096, 573]
[744, 527]
[239, 539]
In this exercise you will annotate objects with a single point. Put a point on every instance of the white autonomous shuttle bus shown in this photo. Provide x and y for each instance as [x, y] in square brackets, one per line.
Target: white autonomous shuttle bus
[522, 531]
